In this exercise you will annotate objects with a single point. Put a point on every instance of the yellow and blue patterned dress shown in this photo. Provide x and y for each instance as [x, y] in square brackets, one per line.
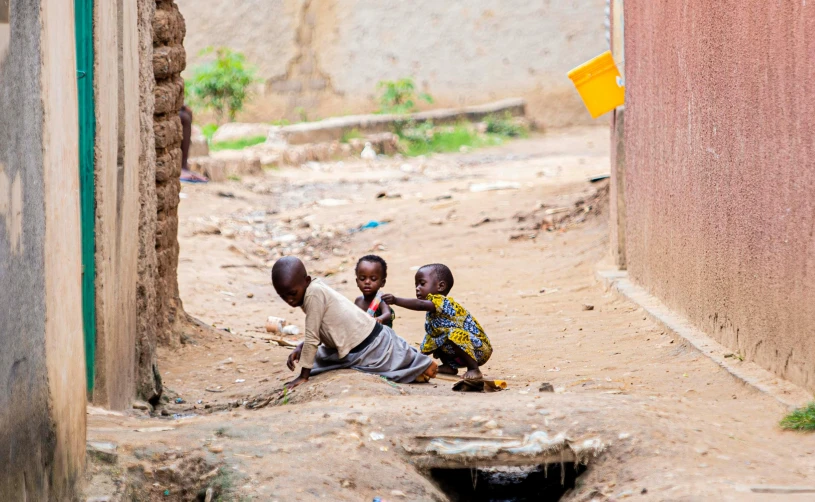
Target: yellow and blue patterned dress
[452, 322]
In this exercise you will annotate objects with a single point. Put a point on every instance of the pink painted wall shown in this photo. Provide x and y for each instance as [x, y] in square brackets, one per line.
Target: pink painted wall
[720, 170]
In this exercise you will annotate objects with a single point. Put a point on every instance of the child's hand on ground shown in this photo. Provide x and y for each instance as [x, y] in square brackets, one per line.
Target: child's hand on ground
[389, 298]
[294, 358]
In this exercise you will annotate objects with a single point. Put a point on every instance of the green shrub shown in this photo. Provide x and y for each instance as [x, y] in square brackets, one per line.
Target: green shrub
[802, 419]
[505, 126]
[424, 139]
[221, 85]
[209, 131]
[399, 96]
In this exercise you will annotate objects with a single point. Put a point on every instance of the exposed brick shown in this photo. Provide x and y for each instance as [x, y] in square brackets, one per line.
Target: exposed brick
[166, 233]
[169, 95]
[168, 61]
[168, 131]
[169, 27]
[168, 165]
[167, 195]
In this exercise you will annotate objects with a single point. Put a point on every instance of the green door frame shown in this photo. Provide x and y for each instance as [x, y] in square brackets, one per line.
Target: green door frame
[87, 132]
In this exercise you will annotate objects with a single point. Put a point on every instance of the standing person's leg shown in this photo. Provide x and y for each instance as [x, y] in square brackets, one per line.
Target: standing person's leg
[186, 128]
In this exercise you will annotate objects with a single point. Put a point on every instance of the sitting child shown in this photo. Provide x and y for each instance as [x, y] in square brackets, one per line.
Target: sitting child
[350, 338]
[451, 333]
[372, 271]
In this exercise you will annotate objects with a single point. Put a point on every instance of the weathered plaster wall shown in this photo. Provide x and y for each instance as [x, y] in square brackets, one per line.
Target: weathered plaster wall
[169, 60]
[720, 170]
[327, 56]
[42, 396]
[117, 196]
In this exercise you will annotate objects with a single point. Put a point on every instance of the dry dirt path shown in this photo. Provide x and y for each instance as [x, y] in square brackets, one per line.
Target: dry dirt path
[673, 425]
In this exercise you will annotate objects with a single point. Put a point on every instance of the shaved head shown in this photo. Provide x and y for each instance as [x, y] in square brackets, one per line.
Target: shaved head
[287, 268]
[290, 279]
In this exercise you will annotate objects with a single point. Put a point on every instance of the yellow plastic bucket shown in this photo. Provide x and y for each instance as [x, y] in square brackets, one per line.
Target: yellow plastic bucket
[600, 85]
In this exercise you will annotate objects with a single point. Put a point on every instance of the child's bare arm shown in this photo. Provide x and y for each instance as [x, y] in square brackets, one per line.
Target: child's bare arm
[409, 303]
[386, 313]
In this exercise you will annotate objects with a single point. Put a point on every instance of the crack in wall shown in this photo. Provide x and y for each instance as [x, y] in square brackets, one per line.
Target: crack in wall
[303, 80]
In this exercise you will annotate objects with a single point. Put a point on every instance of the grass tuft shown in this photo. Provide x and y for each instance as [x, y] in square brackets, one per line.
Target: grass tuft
[425, 141]
[347, 136]
[238, 144]
[802, 419]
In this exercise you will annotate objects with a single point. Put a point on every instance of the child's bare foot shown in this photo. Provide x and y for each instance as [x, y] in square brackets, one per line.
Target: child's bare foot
[445, 369]
[474, 374]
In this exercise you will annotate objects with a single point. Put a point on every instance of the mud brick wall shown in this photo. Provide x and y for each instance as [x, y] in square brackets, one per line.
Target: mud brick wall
[169, 60]
[148, 383]
[161, 60]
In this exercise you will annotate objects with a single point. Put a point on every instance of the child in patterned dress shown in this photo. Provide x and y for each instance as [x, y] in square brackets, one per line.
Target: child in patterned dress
[451, 333]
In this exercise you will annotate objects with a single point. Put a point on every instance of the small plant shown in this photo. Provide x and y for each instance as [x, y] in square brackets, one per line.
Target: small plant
[347, 136]
[802, 419]
[233, 177]
[505, 126]
[399, 96]
[302, 113]
[209, 131]
[286, 395]
[221, 85]
[238, 144]
[221, 431]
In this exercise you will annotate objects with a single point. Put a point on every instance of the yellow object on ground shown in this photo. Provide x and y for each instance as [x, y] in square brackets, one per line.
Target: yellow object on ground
[600, 84]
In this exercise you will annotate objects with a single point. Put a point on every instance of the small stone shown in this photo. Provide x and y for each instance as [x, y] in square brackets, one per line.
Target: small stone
[546, 387]
[216, 449]
[398, 493]
[104, 452]
[250, 295]
[587, 306]
[346, 484]
[142, 405]
[492, 424]
[208, 230]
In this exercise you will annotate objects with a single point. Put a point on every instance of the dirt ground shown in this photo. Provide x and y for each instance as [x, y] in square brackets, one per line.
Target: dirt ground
[673, 425]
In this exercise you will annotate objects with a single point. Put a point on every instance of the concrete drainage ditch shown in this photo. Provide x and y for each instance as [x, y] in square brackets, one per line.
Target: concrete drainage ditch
[535, 467]
[539, 483]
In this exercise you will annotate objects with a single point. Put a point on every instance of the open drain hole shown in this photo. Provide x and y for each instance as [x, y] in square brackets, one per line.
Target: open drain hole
[539, 483]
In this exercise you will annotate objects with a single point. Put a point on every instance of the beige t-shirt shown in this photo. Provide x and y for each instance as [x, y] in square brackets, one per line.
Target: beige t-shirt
[334, 321]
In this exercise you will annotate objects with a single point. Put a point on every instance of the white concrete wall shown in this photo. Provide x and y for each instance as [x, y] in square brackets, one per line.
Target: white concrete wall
[327, 56]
